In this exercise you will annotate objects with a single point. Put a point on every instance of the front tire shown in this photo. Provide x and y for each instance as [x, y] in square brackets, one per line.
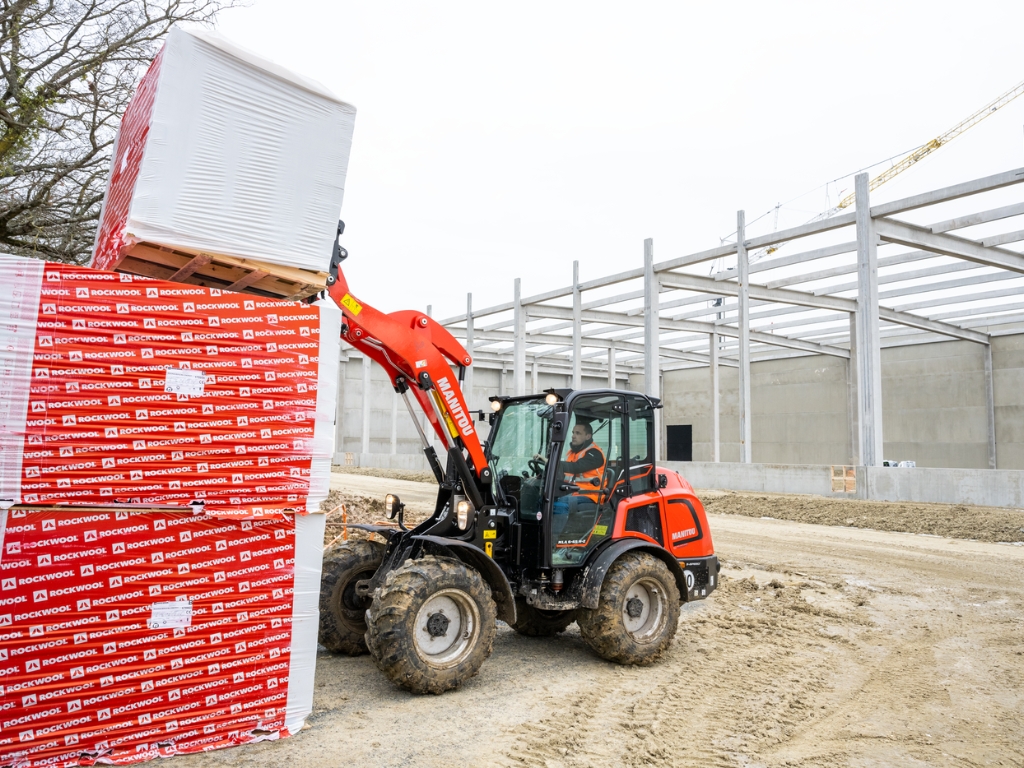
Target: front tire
[342, 612]
[431, 625]
[638, 612]
[536, 622]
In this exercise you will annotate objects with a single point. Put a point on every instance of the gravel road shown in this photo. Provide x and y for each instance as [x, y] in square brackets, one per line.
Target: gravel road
[825, 646]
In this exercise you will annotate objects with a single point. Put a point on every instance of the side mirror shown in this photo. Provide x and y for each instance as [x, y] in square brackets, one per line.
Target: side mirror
[559, 426]
[662, 481]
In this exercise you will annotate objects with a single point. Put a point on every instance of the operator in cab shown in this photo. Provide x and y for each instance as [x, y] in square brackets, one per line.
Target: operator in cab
[583, 466]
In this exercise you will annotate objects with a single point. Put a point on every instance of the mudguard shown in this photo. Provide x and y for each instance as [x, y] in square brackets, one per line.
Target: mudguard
[598, 568]
[501, 590]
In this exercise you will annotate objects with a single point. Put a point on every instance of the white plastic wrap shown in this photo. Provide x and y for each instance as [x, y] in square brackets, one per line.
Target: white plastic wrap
[226, 153]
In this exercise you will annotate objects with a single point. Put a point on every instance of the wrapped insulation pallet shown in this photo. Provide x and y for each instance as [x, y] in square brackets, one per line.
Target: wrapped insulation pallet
[163, 451]
[228, 171]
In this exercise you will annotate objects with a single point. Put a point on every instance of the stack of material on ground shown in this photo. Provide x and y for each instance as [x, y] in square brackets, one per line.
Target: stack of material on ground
[164, 448]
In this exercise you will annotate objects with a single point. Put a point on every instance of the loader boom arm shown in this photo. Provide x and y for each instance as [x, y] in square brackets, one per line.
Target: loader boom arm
[417, 353]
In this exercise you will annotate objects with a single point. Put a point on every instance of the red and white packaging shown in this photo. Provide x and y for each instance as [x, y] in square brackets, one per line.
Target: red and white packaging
[221, 151]
[130, 634]
[120, 389]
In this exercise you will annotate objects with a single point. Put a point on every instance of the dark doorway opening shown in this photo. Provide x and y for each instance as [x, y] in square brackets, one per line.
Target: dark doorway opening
[680, 442]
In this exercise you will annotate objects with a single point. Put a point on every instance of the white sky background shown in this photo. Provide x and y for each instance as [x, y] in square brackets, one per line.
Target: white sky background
[496, 141]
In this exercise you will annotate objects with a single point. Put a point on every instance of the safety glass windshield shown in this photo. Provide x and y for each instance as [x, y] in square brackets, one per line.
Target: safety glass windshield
[522, 432]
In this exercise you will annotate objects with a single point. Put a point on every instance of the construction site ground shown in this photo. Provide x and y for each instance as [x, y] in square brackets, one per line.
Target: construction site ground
[829, 643]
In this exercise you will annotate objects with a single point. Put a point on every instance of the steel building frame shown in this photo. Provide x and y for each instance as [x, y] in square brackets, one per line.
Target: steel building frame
[666, 316]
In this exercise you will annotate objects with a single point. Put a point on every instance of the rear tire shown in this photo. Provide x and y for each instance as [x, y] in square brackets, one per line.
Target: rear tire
[638, 612]
[536, 622]
[342, 612]
[431, 625]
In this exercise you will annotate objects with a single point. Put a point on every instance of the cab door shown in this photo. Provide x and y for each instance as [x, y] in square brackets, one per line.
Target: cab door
[641, 512]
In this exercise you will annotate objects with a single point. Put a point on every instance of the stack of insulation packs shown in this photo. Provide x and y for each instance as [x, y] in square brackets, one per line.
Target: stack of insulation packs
[164, 448]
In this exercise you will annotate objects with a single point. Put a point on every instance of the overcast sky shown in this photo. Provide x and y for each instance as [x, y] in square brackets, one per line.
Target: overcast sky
[504, 140]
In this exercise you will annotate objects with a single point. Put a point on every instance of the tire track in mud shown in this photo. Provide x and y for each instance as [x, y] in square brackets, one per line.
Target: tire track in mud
[745, 673]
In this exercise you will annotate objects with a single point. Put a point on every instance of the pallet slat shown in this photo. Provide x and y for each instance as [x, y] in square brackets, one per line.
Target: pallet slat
[228, 273]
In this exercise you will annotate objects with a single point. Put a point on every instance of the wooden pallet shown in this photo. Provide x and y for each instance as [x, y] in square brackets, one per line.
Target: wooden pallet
[228, 273]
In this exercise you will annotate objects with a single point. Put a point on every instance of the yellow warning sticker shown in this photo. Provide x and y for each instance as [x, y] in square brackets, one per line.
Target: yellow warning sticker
[351, 304]
[491, 534]
[600, 530]
[489, 548]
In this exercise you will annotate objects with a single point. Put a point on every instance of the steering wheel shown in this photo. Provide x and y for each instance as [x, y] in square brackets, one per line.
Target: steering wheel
[536, 467]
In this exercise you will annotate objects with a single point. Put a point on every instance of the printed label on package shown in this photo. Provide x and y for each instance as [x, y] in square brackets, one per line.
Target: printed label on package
[182, 381]
[172, 615]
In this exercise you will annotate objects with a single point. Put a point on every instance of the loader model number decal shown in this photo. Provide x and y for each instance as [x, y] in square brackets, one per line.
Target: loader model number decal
[459, 415]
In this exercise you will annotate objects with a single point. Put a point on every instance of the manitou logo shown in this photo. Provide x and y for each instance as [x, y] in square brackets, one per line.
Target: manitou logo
[455, 407]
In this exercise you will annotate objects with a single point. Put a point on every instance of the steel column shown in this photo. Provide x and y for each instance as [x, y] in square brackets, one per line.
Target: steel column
[869, 355]
[535, 377]
[611, 366]
[993, 462]
[716, 438]
[651, 325]
[577, 328]
[743, 326]
[467, 386]
[394, 423]
[366, 403]
[519, 344]
[852, 377]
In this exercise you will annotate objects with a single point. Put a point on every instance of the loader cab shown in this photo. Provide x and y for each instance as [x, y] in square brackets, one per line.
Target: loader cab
[596, 449]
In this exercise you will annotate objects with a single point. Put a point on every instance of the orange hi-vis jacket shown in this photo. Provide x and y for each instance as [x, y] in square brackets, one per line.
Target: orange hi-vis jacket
[590, 477]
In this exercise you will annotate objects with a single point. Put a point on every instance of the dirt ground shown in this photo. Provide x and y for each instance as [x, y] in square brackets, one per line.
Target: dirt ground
[824, 646]
[953, 520]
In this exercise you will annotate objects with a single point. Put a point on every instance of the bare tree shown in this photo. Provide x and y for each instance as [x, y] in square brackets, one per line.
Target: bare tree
[68, 69]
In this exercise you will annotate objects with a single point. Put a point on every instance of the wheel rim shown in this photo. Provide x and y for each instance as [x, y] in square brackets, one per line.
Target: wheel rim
[447, 628]
[645, 610]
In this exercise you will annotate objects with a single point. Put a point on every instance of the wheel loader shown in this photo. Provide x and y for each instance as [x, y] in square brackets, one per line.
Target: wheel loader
[560, 516]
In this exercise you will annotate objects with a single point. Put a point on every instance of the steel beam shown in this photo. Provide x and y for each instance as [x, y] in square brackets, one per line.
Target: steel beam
[948, 245]
[684, 282]
[921, 323]
[949, 193]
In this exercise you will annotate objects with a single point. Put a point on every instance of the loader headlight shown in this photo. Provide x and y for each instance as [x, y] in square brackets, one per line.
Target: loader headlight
[551, 399]
[392, 506]
[495, 405]
[463, 509]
